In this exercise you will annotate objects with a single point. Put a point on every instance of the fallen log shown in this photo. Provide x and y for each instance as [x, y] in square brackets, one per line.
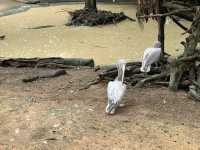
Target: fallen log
[48, 74]
[53, 62]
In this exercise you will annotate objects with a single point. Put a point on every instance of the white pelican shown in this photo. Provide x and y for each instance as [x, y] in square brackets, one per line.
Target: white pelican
[116, 89]
[151, 55]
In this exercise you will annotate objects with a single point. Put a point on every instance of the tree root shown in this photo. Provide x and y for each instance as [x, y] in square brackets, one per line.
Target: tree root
[151, 78]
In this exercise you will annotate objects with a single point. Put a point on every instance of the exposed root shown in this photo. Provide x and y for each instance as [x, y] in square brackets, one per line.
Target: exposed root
[151, 78]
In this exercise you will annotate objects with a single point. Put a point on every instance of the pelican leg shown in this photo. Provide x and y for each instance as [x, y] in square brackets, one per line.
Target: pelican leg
[108, 106]
[111, 109]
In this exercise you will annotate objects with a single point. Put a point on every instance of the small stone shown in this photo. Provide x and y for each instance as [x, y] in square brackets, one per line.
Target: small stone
[76, 105]
[90, 109]
[71, 91]
[17, 131]
[45, 142]
[56, 125]
[11, 140]
[164, 101]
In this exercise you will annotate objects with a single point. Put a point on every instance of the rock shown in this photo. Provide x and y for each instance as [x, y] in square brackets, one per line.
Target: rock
[2, 37]
[17, 131]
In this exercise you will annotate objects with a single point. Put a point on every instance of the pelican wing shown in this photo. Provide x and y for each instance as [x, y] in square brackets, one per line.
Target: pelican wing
[115, 91]
[151, 55]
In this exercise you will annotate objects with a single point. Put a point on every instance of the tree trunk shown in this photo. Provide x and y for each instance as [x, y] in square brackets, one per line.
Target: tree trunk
[180, 65]
[161, 27]
[90, 5]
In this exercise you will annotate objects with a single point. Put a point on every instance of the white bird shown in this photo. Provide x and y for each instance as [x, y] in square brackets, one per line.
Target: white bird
[116, 89]
[151, 55]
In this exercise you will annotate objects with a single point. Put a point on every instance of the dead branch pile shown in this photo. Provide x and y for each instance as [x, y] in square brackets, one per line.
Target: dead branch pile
[93, 18]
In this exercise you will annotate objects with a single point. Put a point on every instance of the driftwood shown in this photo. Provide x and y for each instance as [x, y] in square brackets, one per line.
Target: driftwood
[2, 37]
[47, 74]
[93, 17]
[41, 27]
[47, 62]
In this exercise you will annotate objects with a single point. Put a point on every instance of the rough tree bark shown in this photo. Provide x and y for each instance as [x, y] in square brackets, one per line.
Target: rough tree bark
[180, 65]
[90, 5]
[161, 27]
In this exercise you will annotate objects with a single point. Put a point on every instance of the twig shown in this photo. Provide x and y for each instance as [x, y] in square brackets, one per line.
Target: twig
[153, 77]
[179, 24]
[93, 82]
[41, 27]
[166, 14]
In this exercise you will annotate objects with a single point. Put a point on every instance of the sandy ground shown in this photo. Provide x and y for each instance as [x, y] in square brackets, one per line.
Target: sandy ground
[6, 4]
[105, 44]
[52, 114]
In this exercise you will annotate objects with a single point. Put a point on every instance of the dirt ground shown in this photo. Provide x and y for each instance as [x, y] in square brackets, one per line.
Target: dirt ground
[52, 114]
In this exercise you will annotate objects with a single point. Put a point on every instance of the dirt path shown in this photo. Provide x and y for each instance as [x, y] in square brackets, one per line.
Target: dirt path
[51, 114]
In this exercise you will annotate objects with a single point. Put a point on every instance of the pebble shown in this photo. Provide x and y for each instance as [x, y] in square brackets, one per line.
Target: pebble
[56, 125]
[17, 131]
[11, 140]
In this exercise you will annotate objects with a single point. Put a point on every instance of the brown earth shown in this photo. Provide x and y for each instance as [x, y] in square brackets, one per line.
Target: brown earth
[52, 114]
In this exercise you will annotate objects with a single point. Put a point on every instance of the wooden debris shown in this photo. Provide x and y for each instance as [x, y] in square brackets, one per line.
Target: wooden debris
[151, 78]
[93, 18]
[52, 62]
[41, 27]
[133, 75]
